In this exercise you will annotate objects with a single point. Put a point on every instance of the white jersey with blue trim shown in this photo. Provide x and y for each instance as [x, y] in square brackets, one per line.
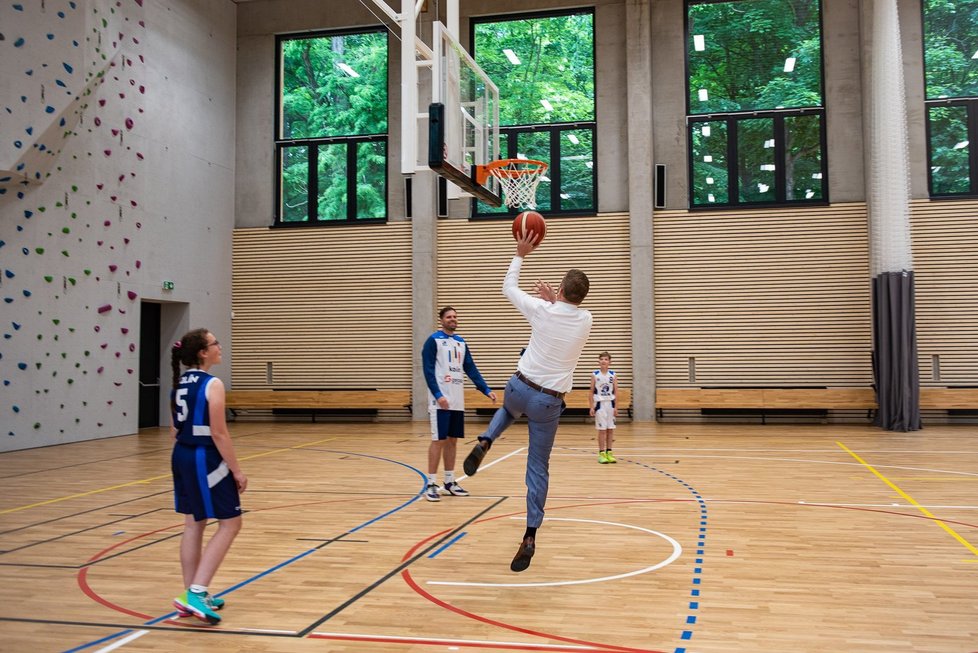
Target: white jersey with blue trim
[604, 389]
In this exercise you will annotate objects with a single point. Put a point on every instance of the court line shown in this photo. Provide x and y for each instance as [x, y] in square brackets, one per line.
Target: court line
[497, 460]
[122, 642]
[447, 641]
[677, 550]
[143, 481]
[953, 533]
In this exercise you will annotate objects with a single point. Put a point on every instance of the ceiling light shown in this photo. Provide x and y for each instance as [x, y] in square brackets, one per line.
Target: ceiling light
[763, 188]
[789, 64]
[704, 95]
[709, 180]
[513, 59]
[699, 43]
[706, 130]
[707, 159]
[961, 145]
[546, 105]
[573, 139]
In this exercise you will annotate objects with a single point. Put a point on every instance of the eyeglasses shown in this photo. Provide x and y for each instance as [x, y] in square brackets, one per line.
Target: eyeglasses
[212, 344]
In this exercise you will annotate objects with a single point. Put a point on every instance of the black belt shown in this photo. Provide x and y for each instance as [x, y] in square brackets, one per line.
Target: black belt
[538, 387]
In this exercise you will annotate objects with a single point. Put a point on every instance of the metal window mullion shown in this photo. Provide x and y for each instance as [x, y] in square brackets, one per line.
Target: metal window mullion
[351, 179]
[312, 155]
[972, 136]
[554, 170]
[733, 167]
[781, 159]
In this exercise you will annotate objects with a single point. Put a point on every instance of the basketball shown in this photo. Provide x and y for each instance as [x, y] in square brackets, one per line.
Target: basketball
[532, 222]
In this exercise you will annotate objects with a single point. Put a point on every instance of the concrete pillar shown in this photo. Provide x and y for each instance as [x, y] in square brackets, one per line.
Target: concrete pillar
[424, 285]
[638, 46]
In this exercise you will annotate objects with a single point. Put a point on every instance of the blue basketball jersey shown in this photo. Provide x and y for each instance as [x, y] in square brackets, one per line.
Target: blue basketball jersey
[192, 414]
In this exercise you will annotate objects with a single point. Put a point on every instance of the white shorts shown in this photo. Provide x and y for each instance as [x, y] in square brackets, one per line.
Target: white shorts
[604, 418]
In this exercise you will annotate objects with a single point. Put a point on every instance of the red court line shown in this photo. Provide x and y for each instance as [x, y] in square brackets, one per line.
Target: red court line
[406, 575]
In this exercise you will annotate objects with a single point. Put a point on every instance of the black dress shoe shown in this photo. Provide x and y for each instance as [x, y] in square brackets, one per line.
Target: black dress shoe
[474, 459]
[526, 551]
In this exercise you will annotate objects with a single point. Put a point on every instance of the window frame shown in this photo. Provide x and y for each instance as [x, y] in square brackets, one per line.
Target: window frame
[510, 133]
[732, 117]
[971, 104]
[351, 143]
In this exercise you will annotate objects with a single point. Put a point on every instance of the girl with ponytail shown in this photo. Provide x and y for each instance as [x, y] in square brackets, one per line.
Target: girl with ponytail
[207, 478]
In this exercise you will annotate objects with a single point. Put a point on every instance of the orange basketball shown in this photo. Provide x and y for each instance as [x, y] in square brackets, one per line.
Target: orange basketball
[532, 222]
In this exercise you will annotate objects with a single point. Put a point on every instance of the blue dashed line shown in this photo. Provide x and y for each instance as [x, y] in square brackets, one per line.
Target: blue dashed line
[700, 547]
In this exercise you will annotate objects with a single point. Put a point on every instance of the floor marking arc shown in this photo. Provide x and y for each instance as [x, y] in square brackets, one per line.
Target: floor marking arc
[676, 552]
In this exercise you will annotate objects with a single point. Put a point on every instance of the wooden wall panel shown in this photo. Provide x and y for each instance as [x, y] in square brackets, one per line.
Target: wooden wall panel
[474, 256]
[328, 307]
[763, 298]
[945, 243]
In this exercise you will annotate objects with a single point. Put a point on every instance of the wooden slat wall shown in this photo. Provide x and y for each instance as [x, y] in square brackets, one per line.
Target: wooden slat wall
[763, 298]
[945, 244]
[474, 257]
[329, 307]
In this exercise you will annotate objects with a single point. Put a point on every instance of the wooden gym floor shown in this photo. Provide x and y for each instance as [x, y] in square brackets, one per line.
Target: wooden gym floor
[703, 538]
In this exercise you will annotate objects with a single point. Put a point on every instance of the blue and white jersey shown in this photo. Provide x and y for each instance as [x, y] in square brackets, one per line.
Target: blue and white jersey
[192, 417]
[445, 360]
[604, 389]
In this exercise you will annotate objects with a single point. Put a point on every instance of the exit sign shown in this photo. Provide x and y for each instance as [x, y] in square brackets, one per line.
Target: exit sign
[168, 285]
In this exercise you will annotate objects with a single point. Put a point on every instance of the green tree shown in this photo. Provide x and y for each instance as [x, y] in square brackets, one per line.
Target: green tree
[334, 86]
[743, 49]
[951, 48]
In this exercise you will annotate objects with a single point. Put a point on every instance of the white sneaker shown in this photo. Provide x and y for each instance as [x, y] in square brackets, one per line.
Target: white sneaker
[455, 490]
[431, 492]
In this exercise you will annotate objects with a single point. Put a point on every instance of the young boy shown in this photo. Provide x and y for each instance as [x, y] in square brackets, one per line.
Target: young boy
[604, 387]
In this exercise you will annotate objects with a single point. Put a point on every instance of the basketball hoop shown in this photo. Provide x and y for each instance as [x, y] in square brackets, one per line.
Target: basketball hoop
[518, 179]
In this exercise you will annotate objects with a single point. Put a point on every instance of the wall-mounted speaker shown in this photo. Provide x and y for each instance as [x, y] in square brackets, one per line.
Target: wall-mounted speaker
[660, 186]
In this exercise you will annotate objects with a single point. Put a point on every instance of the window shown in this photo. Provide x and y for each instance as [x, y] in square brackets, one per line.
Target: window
[951, 77]
[331, 128]
[756, 120]
[544, 68]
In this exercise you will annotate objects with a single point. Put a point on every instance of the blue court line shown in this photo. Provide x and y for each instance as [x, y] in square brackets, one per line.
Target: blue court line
[447, 544]
[687, 633]
[98, 641]
[248, 581]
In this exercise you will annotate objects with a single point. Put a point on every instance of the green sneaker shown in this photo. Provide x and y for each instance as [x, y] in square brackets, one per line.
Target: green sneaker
[198, 605]
[602, 457]
[214, 602]
[608, 457]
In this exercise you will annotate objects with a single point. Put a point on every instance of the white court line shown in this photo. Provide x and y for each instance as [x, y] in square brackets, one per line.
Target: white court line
[677, 550]
[498, 460]
[447, 640]
[123, 641]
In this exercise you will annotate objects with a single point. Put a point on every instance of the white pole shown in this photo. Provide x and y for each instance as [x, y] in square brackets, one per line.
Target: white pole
[409, 90]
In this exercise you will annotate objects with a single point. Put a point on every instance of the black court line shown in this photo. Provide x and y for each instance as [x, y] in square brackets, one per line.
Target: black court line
[92, 563]
[401, 567]
[328, 540]
[85, 512]
[122, 626]
[83, 530]
[257, 633]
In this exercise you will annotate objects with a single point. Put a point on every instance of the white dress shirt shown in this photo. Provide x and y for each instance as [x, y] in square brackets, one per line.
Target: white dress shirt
[559, 331]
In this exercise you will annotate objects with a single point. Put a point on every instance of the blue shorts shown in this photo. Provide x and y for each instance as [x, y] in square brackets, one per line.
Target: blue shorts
[203, 486]
[447, 424]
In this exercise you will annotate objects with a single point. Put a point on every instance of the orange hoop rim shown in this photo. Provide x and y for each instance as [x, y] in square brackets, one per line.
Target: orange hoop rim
[498, 169]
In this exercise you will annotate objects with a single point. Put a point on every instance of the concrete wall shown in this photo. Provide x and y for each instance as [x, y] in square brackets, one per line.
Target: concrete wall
[116, 173]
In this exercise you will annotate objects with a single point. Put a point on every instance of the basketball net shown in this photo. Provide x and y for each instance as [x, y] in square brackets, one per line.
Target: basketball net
[518, 179]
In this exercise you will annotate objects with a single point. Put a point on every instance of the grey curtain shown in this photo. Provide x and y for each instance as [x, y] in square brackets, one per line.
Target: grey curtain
[895, 372]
